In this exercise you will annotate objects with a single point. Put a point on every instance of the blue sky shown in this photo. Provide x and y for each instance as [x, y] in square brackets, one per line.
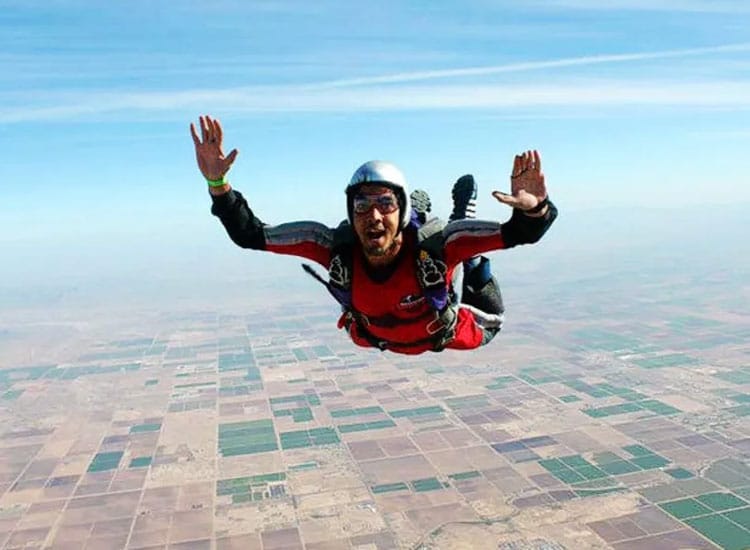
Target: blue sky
[633, 103]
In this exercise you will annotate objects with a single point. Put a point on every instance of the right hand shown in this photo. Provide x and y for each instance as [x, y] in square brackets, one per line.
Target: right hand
[527, 187]
[211, 160]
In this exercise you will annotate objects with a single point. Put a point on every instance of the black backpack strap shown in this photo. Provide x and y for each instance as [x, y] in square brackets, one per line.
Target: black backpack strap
[432, 273]
[340, 267]
[339, 296]
[431, 269]
[339, 282]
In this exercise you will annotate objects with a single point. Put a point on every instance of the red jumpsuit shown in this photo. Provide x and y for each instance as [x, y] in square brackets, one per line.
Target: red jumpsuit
[398, 297]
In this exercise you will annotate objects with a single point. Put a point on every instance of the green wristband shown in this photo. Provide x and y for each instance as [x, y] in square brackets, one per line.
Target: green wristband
[221, 182]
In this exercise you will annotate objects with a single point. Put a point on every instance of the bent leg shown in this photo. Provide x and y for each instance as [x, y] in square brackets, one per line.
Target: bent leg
[481, 290]
[488, 334]
[490, 324]
[481, 294]
[421, 204]
[464, 195]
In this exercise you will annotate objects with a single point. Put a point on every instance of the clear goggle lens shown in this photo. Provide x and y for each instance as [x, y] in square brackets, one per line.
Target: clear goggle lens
[385, 203]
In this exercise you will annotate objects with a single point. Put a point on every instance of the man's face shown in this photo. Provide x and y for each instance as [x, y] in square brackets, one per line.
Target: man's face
[376, 221]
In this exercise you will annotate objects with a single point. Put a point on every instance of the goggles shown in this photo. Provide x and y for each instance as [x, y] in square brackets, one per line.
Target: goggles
[386, 203]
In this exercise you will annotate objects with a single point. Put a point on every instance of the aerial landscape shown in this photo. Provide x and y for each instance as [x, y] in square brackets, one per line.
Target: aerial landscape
[592, 422]
[171, 379]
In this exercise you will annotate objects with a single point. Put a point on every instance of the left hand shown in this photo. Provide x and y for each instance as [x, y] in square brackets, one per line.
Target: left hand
[526, 183]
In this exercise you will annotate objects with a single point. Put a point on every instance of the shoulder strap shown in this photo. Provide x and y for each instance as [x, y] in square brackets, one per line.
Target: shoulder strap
[339, 282]
[431, 268]
[340, 268]
[433, 226]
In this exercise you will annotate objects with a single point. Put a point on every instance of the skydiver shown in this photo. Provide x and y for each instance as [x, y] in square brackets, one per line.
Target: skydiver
[392, 279]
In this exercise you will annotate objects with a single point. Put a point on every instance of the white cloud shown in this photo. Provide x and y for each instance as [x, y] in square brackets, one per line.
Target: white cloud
[594, 93]
[407, 91]
[699, 6]
[538, 65]
[722, 134]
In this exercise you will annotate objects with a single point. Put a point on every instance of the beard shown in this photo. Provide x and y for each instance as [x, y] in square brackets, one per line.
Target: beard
[379, 251]
[380, 242]
[381, 255]
[376, 249]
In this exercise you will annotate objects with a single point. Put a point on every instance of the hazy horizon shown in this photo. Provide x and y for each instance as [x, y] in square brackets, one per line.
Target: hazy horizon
[88, 258]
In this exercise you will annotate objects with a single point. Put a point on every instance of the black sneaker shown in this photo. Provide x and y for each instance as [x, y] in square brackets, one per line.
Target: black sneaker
[464, 198]
[420, 203]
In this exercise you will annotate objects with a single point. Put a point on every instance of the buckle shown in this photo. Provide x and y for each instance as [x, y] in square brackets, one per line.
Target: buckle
[446, 339]
[362, 319]
[435, 326]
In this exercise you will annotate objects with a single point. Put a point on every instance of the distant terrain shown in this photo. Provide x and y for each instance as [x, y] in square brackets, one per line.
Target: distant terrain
[218, 407]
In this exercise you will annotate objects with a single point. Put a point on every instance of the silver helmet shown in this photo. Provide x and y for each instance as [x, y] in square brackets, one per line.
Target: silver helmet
[381, 173]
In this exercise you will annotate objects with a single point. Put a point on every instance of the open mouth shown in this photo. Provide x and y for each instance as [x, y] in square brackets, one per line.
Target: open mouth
[374, 235]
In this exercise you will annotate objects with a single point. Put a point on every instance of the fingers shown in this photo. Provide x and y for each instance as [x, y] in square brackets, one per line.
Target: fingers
[521, 164]
[219, 131]
[523, 200]
[510, 200]
[211, 131]
[214, 137]
[196, 139]
[204, 120]
[230, 157]
[528, 160]
[516, 166]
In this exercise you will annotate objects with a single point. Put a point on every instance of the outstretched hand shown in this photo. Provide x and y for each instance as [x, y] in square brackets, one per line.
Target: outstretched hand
[527, 188]
[208, 151]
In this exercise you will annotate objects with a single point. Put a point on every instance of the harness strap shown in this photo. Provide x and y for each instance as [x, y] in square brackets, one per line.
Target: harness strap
[439, 328]
[342, 297]
[442, 330]
[389, 320]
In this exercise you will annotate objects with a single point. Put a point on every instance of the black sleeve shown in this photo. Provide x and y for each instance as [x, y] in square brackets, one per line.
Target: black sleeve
[238, 219]
[523, 229]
